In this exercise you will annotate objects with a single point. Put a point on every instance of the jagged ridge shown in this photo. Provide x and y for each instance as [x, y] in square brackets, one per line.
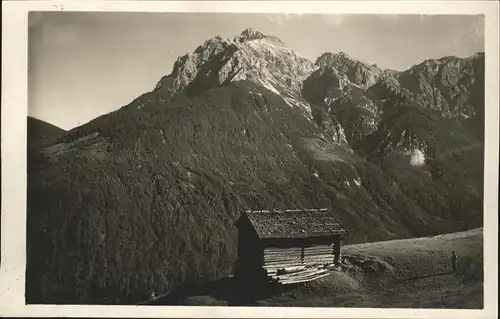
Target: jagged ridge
[144, 198]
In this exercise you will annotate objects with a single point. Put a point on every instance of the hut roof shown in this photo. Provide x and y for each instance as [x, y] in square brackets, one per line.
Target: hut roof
[301, 223]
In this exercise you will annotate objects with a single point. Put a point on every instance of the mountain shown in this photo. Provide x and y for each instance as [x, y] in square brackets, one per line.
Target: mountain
[144, 198]
[43, 131]
[251, 56]
[332, 91]
[449, 85]
[359, 73]
[41, 134]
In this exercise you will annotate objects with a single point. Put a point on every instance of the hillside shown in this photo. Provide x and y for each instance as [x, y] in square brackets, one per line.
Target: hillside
[144, 199]
[412, 273]
[449, 85]
[408, 273]
[41, 134]
[361, 74]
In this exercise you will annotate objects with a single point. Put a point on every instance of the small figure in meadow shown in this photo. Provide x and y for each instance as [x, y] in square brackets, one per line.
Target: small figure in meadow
[152, 295]
[454, 261]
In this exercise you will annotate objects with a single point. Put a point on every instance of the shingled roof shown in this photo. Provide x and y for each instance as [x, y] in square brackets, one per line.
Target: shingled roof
[294, 223]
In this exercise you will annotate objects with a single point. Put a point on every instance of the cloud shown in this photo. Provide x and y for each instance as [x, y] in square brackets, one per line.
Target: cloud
[417, 158]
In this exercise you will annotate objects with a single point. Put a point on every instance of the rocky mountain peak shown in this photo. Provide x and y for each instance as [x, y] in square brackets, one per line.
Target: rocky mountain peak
[248, 35]
[212, 46]
[329, 59]
[446, 84]
[252, 34]
[359, 73]
[251, 56]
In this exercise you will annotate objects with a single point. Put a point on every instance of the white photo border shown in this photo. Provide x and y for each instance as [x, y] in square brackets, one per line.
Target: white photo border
[14, 113]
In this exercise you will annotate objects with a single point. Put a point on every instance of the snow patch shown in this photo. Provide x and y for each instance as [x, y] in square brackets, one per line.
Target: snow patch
[188, 185]
[417, 158]
[162, 134]
[287, 101]
[269, 86]
[295, 103]
[357, 181]
[274, 48]
[329, 100]
[354, 84]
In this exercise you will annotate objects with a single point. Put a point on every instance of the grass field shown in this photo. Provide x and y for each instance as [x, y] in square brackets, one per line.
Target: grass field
[419, 276]
[408, 273]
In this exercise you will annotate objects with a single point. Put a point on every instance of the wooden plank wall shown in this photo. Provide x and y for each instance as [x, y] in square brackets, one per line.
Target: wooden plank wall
[275, 258]
[288, 258]
[318, 255]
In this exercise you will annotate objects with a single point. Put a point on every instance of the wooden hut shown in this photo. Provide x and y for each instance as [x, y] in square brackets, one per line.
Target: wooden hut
[288, 246]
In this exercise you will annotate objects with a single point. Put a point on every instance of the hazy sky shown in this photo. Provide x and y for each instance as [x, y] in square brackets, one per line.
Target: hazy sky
[82, 65]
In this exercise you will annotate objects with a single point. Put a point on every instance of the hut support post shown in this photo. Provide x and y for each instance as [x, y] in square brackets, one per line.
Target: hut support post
[336, 250]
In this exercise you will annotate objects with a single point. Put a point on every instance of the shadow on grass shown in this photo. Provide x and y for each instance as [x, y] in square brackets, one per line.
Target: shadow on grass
[230, 292]
[427, 276]
[226, 291]
[440, 274]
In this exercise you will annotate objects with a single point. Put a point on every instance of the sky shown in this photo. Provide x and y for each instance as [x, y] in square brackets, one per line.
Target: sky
[85, 64]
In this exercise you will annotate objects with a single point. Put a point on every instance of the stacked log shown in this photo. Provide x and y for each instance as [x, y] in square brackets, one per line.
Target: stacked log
[297, 264]
[302, 276]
